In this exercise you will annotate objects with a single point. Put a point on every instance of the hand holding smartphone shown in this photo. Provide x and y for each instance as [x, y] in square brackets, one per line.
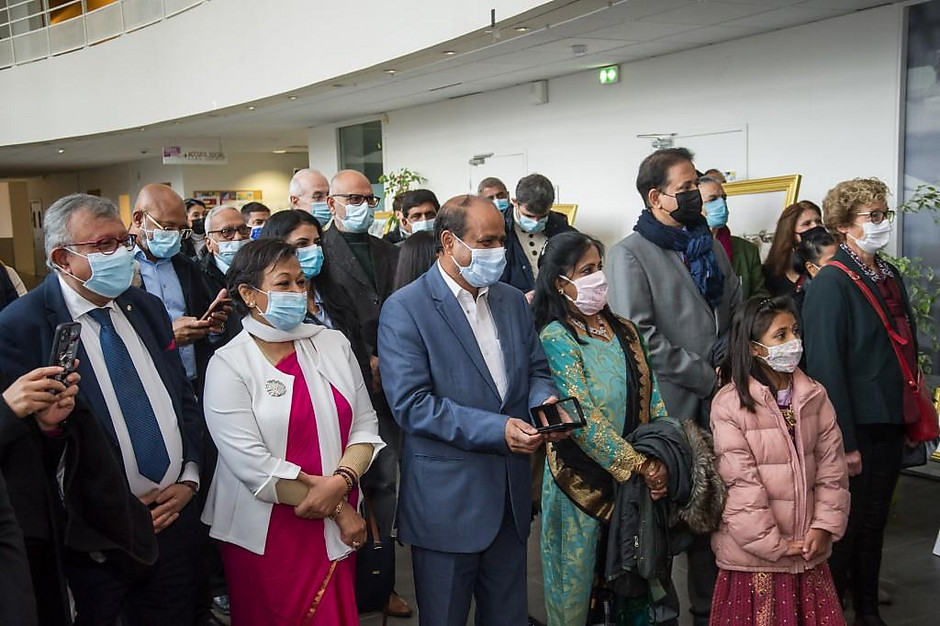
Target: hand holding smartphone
[65, 349]
[221, 302]
[561, 416]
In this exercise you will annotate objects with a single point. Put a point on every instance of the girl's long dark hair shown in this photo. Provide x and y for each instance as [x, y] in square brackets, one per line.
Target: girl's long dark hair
[559, 257]
[750, 324]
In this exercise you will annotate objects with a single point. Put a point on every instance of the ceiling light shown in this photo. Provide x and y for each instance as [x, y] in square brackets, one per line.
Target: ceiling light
[449, 53]
[143, 128]
[279, 151]
[389, 72]
[61, 150]
[579, 49]
[251, 108]
[522, 29]
[292, 98]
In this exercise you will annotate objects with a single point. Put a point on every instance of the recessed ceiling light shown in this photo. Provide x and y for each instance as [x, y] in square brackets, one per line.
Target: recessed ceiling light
[176, 123]
[449, 53]
[389, 72]
[522, 29]
[279, 151]
[61, 150]
[292, 98]
[251, 108]
[143, 128]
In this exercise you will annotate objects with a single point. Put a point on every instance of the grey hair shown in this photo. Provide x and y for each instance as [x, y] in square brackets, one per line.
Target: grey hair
[59, 217]
[296, 188]
[709, 179]
[215, 211]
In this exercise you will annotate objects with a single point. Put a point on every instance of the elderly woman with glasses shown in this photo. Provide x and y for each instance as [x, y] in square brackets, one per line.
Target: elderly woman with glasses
[850, 352]
[290, 414]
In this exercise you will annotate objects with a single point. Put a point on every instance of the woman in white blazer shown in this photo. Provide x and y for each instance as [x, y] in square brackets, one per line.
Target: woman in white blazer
[287, 407]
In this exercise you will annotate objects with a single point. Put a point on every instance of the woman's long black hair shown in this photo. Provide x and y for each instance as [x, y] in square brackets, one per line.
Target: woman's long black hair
[559, 257]
[749, 325]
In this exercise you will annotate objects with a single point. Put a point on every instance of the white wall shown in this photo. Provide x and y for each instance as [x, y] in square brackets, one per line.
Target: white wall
[271, 173]
[220, 54]
[821, 100]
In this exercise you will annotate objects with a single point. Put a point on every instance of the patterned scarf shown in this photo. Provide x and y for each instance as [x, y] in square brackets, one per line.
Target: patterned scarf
[695, 244]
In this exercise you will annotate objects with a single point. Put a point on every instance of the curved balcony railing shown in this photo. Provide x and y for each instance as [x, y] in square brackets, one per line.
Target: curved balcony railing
[31, 30]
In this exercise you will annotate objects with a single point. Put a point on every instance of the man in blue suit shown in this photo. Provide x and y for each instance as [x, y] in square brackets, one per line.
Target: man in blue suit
[134, 384]
[461, 366]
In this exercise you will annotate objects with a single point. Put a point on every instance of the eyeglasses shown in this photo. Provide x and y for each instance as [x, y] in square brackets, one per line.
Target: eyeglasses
[185, 233]
[878, 217]
[228, 234]
[355, 198]
[106, 246]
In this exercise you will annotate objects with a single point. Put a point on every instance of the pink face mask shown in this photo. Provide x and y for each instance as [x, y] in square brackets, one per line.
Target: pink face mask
[592, 292]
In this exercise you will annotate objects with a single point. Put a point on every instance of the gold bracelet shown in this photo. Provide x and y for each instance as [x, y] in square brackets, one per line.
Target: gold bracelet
[337, 510]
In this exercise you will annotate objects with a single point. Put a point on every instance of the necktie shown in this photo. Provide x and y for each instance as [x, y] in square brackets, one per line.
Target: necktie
[146, 439]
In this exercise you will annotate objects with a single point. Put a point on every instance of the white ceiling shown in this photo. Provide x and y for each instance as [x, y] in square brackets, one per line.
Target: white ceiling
[614, 32]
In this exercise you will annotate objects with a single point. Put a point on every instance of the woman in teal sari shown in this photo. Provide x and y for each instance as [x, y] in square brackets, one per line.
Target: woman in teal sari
[601, 360]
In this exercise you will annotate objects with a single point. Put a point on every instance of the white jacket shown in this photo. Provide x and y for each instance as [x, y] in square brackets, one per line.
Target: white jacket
[247, 404]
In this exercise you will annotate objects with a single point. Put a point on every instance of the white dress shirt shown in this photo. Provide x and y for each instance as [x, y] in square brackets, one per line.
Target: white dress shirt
[484, 328]
[157, 392]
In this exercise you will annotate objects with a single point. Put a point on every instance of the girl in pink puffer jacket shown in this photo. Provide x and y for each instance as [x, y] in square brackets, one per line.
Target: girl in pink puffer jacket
[780, 453]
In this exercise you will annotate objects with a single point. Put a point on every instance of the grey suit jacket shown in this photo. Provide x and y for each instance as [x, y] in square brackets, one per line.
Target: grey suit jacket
[653, 288]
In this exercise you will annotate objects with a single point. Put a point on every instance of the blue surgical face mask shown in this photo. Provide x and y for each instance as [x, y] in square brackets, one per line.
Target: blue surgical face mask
[163, 244]
[256, 232]
[716, 213]
[286, 309]
[502, 204]
[486, 265]
[311, 260]
[111, 274]
[531, 225]
[321, 211]
[359, 218]
[227, 251]
[422, 226]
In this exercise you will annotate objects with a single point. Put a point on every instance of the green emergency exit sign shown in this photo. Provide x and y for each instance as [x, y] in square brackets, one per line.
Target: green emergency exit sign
[609, 75]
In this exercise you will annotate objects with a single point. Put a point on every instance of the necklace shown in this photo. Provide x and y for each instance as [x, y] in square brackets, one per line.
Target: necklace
[603, 332]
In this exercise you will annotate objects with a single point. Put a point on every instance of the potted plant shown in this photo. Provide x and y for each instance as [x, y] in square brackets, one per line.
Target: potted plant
[398, 182]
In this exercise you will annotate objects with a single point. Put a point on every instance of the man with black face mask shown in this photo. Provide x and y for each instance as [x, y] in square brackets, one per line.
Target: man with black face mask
[195, 246]
[675, 282]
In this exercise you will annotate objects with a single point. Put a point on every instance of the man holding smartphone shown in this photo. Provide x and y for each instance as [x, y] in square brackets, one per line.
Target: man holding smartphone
[160, 225]
[461, 367]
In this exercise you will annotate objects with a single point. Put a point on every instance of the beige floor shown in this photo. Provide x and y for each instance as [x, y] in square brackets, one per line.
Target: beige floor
[910, 572]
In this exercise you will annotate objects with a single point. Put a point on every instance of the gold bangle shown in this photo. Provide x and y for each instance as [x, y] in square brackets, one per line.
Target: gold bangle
[337, 510]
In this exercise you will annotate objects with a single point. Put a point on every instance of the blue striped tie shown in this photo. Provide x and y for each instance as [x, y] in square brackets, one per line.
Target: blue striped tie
[146, 439]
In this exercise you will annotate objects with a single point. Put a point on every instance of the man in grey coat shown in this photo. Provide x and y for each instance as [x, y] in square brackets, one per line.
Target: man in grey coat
[675, 282]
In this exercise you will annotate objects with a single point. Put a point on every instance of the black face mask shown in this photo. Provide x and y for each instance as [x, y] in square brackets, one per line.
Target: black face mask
[199, 226]
[689, 211]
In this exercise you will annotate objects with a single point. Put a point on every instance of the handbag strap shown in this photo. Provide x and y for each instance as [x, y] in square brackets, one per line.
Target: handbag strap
[896, 339]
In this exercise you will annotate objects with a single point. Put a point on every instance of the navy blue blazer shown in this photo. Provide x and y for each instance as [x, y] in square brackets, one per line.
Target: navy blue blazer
[456, 466]
[27, 327]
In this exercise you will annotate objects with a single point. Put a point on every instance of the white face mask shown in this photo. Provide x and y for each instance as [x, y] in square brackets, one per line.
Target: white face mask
[875, 237]
[785, 357]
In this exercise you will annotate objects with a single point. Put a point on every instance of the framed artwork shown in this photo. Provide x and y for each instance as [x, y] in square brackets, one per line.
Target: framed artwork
[755, 205]
[233, 197]
[568, 210]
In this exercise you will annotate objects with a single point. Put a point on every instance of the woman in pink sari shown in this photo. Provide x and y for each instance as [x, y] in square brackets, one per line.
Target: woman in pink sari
[289, 412]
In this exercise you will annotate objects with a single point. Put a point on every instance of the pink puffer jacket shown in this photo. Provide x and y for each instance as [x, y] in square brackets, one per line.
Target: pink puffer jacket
[777, 491]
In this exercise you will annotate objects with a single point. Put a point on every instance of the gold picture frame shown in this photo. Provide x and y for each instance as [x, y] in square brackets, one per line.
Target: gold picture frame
[789, 184]
[568, 210]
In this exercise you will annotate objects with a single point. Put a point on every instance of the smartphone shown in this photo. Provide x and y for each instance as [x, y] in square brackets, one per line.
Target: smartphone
[221, 300]
[65, 348]
[566, 414]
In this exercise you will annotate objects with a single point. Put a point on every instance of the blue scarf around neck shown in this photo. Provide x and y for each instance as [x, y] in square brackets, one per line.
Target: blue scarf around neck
[696, 244]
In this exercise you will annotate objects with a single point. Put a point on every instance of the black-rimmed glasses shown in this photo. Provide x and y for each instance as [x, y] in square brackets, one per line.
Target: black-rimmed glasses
[355, 198]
